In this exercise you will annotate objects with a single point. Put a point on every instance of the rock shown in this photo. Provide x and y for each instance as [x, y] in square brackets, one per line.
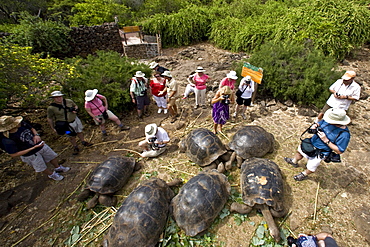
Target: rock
[361, 218]
[307, 112]
[288, 103]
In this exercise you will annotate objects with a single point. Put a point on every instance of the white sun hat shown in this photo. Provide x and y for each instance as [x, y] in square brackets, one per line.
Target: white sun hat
[336, 116]
[232, 75]
[90, 94]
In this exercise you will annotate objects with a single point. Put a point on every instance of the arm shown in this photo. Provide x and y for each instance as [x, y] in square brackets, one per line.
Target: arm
[23, 152]
[36, 137]
[105, 101]
[218, 97]
[331, 145]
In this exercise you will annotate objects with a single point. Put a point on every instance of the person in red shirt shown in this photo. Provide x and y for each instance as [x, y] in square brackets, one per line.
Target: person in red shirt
[157, 84]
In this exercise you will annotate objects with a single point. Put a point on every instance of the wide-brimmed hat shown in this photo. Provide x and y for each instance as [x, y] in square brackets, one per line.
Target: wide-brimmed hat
[200, 69]
[9, 122]
[248, 78]
[90, 94]
[167, 73]
[349, 75]
[56, 94]
[139, 74]
[232, 75]
[150, 130]
[336, 116]
[152, 65]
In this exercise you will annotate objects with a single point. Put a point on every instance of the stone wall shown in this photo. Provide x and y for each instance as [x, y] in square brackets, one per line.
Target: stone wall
[143, 50]
[87, 40]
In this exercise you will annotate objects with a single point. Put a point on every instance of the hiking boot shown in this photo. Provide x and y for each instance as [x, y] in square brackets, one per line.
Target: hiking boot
[125, 128]
[290, 161]
[56, 176]
[196, 106]
[76, 150]
[86, 144]
[62, 169]
[300, 177]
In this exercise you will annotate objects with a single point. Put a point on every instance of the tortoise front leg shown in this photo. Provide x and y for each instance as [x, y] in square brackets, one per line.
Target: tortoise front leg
[274, 230]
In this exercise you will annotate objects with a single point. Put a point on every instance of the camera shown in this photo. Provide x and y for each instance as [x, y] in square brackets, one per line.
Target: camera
[71, 109]
[314, 131]
[226, 99]
[248, 82]
[337, 94]
[152, 142]
[143, 92]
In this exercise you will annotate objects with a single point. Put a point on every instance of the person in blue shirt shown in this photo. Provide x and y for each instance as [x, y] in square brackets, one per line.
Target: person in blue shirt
[332, 136]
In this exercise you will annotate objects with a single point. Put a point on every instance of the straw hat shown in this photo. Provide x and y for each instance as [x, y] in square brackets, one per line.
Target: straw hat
[200, 69]
[56, 94]
[90, 94]
[232, 75]
[139, 74]
[9, 122]
[336, 116]
[152, 65]
[349, 75]
[150, 130]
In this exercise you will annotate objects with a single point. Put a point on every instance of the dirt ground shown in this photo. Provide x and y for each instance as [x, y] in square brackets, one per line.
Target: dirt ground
[37, 211]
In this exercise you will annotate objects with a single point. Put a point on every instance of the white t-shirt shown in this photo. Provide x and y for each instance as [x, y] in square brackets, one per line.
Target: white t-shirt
[161, 136]
[353, 90]
[248, 90]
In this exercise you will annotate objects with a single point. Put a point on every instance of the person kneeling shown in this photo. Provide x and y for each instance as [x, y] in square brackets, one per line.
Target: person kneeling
[156, 139]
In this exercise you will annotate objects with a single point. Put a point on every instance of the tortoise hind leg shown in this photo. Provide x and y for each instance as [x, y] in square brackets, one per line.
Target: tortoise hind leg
[274, 230]
[108, 200]
[240, 208]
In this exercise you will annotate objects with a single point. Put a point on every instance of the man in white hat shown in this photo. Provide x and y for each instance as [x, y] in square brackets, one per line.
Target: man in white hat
[20, 139]
[156, 139]
[343, 92]
[96, 105]
[62, 118]
[155, 66]
[139, 95]
[172, 91]
[331, 138]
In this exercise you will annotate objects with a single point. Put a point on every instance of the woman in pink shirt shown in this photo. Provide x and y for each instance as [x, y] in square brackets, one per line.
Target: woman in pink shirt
[96, 106]
[229, 80]
[200, 80]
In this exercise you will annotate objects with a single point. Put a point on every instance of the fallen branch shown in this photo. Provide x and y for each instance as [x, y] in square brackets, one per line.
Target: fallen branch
[175, 170]
[128, 150]
[317, 195]
[101, 143]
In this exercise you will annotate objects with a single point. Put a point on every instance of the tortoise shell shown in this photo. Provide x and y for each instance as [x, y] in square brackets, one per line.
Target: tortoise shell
[203, 146]
[110, 176]
[200, 201]
[262, 183]
[252, 141]
[142, 217]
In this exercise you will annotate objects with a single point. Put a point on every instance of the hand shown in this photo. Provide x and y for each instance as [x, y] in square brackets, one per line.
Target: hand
[42, 143]
[160, 93]
[322, 136]
[98, 119]
[36, 139]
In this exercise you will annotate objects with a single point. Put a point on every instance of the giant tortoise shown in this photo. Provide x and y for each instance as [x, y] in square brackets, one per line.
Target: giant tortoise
[200, 201]
[204, 148]
[262, 187]
[250, 141]
[107, 178]
[143, 215]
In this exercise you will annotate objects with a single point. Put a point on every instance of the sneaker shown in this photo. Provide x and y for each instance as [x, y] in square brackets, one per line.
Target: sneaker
[173, 119]
[76, 150]
[234, 114]
[196, 106]
[165, 111]
[56, 176]
[251, 105]
[62, 169]
[184, 97]
[159, 110]
[300, 177]
[125, 128]
[243, 116]
[86, 144]
[290, 161]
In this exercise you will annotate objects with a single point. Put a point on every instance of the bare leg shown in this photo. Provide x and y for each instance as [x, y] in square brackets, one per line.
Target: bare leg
[72, 139]
[81, 136]
[215, 128]
[47, 171]
[320, 116]
[102, 127]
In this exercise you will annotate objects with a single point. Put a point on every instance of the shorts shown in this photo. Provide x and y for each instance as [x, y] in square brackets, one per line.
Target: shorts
[141, 101]
[110, 115]
[325, 108]
[171, 102]
[153, 153]
[330, 242]
[38, 160]
[77, 125]
[312, 162]
[241, 101]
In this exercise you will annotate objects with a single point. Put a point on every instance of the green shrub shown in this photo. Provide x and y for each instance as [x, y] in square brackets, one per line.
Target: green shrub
[295, 71]
[25, 78]
[108, 72]
[45, 37]
[182, 28]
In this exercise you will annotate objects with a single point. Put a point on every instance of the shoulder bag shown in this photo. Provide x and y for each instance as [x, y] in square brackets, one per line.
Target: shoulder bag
[239, 93]
[62, 127]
